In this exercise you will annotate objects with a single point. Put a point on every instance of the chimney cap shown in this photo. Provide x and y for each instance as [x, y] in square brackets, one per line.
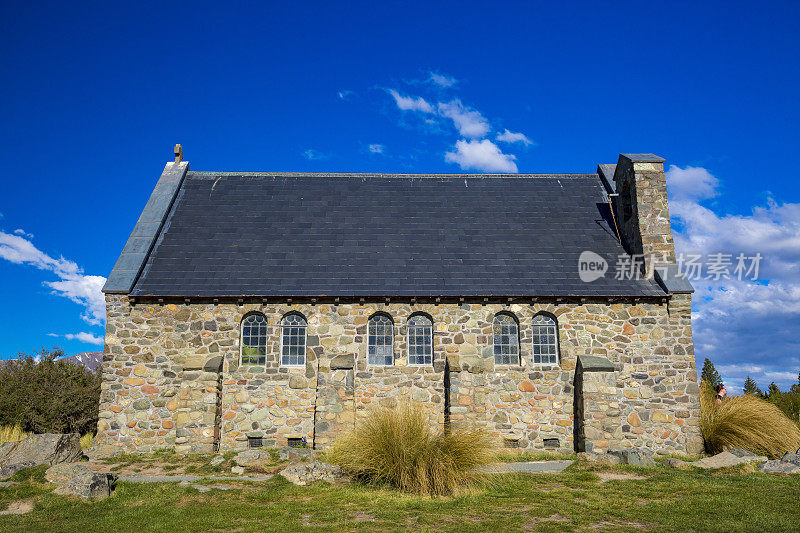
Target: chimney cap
[644, 158]
[178, 153]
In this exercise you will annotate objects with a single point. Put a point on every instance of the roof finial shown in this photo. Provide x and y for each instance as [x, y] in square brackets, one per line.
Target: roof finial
[178, 153]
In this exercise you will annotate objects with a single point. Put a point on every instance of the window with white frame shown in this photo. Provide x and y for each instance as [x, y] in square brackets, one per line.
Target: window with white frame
[254, 340]
[293, 340]
[380, 340]
[420, 340]
[545, 340]
[506, 340]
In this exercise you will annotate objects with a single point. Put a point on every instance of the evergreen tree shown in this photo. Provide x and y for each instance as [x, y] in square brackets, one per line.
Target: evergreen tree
[773, 392]
[796, 387]
[710, 374]
[750, 387]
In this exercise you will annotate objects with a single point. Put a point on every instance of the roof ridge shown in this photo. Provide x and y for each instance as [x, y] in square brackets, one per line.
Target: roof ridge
[211, 173]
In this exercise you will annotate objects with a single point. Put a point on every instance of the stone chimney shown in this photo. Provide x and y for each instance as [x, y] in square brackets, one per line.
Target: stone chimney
[641, 207]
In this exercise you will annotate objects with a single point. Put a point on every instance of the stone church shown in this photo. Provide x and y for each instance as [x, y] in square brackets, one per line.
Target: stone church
[260, 308]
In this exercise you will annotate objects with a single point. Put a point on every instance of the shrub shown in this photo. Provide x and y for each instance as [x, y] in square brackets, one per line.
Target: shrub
[746, 422]
[45, 394]
[399, 447]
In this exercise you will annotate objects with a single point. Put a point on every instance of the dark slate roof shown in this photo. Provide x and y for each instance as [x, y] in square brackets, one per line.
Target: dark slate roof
[296, 235]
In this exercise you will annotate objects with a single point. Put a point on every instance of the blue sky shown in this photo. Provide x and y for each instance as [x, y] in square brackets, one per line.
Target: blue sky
[94, 96]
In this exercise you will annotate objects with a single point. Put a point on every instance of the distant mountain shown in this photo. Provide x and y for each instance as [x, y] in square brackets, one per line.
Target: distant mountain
[90, 360]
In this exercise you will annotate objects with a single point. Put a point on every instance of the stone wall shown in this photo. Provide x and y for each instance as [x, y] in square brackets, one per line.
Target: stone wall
[153, 351]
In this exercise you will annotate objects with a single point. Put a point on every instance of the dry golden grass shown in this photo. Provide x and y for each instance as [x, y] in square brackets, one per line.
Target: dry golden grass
[746, 422]
[86, 441]
[398, 446]
[12, 434]
[15, 434]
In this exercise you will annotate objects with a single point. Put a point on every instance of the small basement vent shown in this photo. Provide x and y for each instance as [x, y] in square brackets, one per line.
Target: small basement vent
[296, 442]
[551, 443]
[255, 442]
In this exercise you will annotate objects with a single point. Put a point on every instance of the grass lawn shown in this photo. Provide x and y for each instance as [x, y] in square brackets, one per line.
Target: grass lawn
[668, 500]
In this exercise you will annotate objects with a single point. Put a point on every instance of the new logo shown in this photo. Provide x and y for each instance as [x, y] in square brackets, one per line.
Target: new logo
[591, 266]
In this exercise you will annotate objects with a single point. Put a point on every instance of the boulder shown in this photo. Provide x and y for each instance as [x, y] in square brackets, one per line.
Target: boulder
[217, 460]
[776, 466]
[42, 449]
[746, 454]
[7, 471]
[721, 460]
[76, 479]
[288, 453]
[599, 458]
[634, 456]
[793, 458]
[252, 457]
[305, 473]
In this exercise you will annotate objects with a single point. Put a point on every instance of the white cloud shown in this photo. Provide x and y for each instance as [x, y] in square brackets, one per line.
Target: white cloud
[73, 284]
[441, 80]
[314, 155]
[344, 94]
[511, 137]
[694, 183]
[376, 148]
[746, 327]
[407, 103]
[23, 233]
[481, 155]
[468, 122]
[88, 338]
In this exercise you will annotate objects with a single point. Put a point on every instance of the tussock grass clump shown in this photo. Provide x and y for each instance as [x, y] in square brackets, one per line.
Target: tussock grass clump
[746, 422]
[12, 434]
[397, 446]
[87, 440]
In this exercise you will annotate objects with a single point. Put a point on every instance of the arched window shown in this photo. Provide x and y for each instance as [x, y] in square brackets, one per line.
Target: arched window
[545, 340]
[293, 340]
[506, 340]
[254, 340]
[420, 340]
[380, 341]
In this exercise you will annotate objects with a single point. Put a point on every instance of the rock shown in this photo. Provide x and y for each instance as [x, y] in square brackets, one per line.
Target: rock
[4, 484]
[305, 473]
[221, 487]
[184, 483]
[217, 460]
[599, 458]
[252, 457]
[676, 463]
[42, 449]
[777, 466]
[238, 470]
[201, 488]
[298, 382]
[634, 456]
[9, 470]
[76, 479]
[295, 454]
[793, 458]
[721, 460]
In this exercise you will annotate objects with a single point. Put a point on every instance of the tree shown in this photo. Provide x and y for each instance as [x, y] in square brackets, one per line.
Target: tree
[750, 387]
[46, 394]
[710, 374]
[773, 392]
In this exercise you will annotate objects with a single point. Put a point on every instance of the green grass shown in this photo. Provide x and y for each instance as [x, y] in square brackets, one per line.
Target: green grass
[511, 457]
[669, 500]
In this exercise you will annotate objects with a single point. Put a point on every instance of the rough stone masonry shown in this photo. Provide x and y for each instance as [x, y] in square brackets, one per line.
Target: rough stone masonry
[212, 249]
